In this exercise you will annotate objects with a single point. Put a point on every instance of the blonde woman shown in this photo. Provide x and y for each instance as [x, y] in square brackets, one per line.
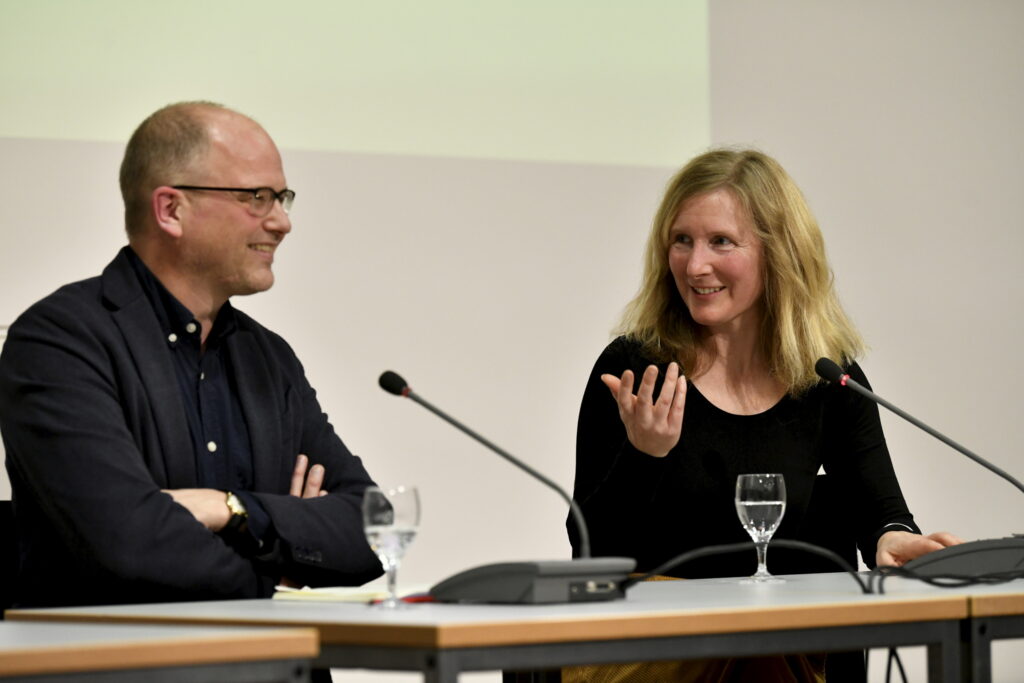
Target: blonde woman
[713, 376]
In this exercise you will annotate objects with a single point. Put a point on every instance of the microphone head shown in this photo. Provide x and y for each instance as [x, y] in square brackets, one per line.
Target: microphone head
[393, 383]
[828, 370]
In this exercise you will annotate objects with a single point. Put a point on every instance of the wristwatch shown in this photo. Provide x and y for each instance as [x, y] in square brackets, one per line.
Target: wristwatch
[239, 515]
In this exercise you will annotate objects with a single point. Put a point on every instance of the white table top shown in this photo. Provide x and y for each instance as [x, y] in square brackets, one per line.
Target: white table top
[650, 609]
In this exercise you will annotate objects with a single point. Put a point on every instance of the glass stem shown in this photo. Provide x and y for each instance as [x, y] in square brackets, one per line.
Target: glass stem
[392, 572]
[762, 557]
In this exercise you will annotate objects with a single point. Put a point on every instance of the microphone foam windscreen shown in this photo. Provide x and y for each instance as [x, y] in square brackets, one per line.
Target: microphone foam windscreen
[392, 382]
[828, 370]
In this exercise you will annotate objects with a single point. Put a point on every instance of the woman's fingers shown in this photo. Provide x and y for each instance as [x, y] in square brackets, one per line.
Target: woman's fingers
[675, 413]
[668, 391]
[645, 394]
[625, 398]
[612, 382]
[653, 426]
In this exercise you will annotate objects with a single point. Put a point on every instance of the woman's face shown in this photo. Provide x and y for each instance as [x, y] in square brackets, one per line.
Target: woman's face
[715, 258]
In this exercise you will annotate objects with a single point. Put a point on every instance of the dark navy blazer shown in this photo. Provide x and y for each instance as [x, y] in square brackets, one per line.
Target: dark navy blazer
[93, 427]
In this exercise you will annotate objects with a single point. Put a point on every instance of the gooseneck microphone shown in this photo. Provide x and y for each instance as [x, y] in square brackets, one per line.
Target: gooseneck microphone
[1000, 557]
[831, 372]
[583, 579]
[393, 383]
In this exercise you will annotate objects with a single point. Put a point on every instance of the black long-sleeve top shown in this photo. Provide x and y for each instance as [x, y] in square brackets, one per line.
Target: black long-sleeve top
[653, 509]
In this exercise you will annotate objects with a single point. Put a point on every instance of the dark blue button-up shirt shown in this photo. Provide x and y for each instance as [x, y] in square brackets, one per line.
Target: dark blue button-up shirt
[220, 436]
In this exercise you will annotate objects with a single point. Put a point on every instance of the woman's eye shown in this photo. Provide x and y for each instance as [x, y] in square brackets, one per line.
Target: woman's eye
[681, 239]
[722, 241]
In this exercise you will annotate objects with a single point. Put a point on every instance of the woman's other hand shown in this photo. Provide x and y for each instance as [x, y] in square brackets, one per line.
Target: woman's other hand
[896, 548]
[653, 427]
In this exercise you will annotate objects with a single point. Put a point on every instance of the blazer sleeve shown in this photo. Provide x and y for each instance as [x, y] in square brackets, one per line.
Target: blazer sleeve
[92, 515]
[319, 541]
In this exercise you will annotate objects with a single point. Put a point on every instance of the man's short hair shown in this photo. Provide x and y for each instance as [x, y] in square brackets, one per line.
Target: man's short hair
[161, 150]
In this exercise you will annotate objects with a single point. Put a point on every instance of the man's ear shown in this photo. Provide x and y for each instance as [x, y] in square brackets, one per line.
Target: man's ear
[166, 206]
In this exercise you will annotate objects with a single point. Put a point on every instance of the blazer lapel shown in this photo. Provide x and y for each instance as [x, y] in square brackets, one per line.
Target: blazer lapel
[146, 345]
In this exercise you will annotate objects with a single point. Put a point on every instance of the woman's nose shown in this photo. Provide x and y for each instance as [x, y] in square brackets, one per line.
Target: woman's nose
[699, 262]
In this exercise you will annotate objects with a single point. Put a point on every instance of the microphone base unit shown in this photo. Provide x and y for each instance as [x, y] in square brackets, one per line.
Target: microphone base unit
[544, 582]
[973, 559]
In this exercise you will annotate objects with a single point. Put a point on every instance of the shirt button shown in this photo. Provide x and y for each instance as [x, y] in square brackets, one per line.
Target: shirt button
[172, 337]
[202, 375]
[190, 328]
[211, 446]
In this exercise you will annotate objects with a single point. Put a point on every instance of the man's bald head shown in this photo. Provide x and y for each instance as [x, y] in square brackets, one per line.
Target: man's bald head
[163, 150]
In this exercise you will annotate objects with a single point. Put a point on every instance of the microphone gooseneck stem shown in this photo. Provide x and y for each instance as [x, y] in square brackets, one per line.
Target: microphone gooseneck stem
[847, 381]
[581, 525]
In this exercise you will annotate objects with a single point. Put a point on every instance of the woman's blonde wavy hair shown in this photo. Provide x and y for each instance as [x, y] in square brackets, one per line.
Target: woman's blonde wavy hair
[803, 319]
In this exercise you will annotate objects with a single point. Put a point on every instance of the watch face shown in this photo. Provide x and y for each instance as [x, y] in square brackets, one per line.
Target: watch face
[235, 506]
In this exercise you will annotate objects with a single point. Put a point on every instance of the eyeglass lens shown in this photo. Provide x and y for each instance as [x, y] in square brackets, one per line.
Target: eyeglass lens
[263, 199]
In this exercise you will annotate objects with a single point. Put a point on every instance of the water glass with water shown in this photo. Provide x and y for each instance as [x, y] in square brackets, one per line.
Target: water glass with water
[390, 519]
[760, 505]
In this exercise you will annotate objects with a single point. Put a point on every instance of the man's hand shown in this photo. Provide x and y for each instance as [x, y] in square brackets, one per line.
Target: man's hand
[896, 548]
[304, 487]
[209, 506]
[307, 486]
[653, 427]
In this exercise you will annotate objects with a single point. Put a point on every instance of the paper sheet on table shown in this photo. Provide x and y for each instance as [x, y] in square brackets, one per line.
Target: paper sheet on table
[342, 593]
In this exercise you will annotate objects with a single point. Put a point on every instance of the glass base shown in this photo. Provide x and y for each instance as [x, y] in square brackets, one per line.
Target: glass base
[391, 604]
[762, 578]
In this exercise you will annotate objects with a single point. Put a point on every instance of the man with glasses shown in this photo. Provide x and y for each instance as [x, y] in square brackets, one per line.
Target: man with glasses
[161, 444]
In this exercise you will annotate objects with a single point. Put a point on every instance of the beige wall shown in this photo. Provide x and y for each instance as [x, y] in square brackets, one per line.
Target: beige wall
[902, 123]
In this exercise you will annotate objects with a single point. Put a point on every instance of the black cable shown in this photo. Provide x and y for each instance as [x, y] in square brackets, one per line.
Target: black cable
[894, 655]
[827, 554]
[899, 663]
[688, 556]
[880, 573]
[691, 555]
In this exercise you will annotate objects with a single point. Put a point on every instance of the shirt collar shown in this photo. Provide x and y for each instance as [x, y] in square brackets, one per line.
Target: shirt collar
[176, 321]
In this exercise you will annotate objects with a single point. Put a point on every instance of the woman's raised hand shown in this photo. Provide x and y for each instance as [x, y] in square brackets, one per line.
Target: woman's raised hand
[653, 427]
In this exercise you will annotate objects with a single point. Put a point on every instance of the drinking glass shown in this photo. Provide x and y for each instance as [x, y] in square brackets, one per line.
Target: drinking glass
[760, 504]
[390, 519]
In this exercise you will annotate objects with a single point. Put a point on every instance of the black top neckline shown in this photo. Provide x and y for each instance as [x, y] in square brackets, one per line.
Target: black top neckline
[764, 413]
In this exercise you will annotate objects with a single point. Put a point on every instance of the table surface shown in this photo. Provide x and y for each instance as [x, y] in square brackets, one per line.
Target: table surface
[55, 648]
[653, 609]
[994, 600]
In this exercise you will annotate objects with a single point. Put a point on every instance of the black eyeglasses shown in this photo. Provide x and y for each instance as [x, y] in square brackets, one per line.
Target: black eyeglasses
[260, 199]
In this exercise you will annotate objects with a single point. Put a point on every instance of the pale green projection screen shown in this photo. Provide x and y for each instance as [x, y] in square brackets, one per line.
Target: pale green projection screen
[569, 80]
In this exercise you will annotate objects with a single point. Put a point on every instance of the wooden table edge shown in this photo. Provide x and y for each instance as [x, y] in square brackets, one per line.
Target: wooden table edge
[702, 622]
[1007, 604]
[178, 650]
